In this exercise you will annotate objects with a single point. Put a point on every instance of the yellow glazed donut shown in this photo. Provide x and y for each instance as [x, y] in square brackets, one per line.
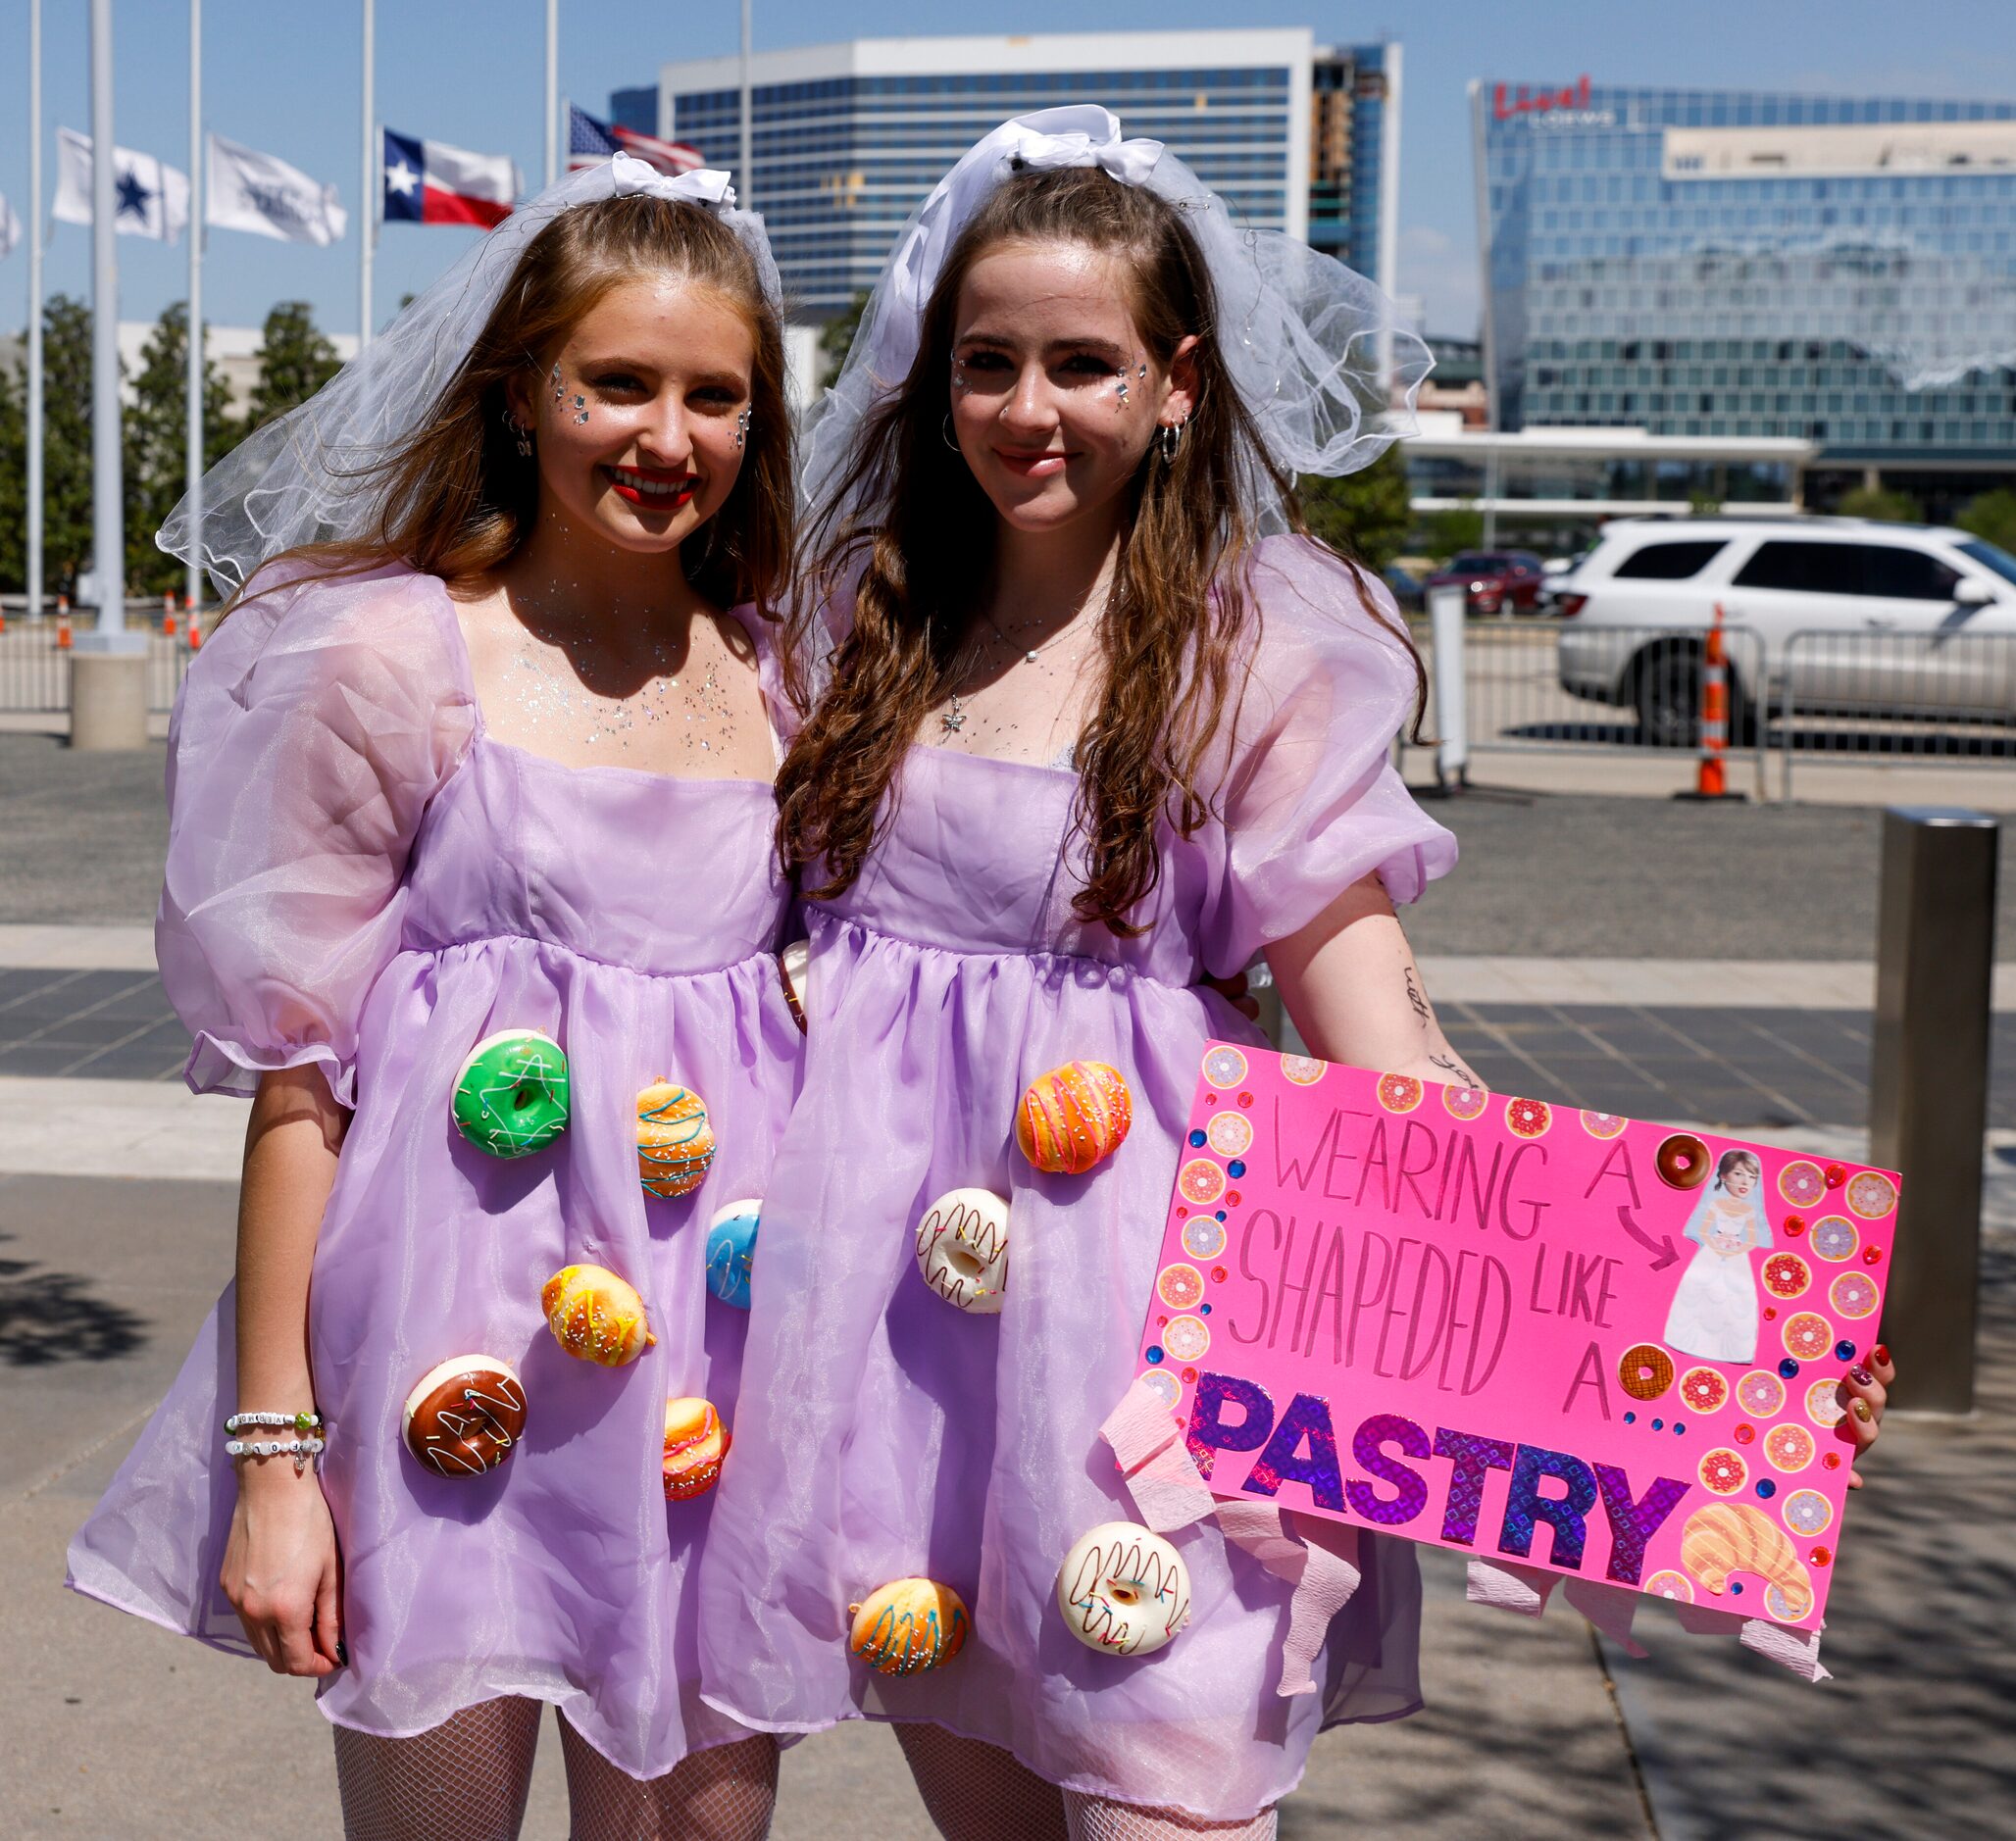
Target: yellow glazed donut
[695, 1442]
[596, 1315]
[1074, 1115]
[674, 1139]
[908, 1625]
[1122, 1589]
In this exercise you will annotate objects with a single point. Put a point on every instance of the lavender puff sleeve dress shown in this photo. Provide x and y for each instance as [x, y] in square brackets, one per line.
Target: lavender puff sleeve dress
[896, 1434]
[360, 879]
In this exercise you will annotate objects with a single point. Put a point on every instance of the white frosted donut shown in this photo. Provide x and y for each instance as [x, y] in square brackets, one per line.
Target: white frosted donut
[962, 1249]
[794, 965]
[1124, 1589]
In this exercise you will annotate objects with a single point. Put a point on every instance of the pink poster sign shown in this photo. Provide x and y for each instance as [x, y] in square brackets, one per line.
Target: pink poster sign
[1565, 1339]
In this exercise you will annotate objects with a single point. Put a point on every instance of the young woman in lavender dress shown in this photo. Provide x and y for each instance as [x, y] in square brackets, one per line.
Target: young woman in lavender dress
[1086, 738]
[498, 760]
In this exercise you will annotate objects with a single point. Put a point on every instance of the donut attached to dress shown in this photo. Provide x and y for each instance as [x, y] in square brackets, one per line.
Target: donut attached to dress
[1074, 1116]
[908, 1625]
[596, 1315]
[675, 1140]
[794, 972]
[732, 1251]
[1122, 1589]
[511, 1096]
[962, 1250]
[695, 1443]
[465, 1416]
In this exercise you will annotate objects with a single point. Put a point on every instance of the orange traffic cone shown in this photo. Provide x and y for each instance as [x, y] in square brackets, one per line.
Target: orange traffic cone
[168, 617]
[1711, 773]
[195, 632]
[62, 622]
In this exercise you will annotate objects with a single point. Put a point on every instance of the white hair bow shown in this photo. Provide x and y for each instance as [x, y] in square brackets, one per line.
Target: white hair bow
[704, 185]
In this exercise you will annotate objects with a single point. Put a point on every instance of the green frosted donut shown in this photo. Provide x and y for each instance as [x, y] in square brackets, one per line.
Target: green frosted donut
[511, 1095]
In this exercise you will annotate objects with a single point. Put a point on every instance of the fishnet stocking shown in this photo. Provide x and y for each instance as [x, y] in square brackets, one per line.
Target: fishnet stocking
[976, 1792]
[725, 1793]
[1099, 1819]
[466, 1780]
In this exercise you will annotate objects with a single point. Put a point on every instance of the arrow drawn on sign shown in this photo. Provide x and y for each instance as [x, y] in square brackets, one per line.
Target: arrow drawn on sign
[1663, 1246]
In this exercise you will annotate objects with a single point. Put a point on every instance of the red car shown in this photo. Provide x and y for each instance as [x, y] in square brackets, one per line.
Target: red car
[1496, 581]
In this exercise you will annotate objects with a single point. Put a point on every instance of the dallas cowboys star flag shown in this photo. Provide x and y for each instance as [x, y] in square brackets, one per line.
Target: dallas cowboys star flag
[150, 199]
[257, 192]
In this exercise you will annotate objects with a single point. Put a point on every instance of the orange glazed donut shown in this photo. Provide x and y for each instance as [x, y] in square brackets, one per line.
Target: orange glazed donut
[908, 1625]
[1074, 1115]
[695, 1442]
[596, 1315]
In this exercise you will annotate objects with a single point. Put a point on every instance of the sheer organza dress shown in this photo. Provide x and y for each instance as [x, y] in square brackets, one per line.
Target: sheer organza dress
[359, 877]
[894, 1435]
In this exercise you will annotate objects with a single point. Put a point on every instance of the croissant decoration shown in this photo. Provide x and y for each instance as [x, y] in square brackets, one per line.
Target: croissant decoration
[1728, 1537]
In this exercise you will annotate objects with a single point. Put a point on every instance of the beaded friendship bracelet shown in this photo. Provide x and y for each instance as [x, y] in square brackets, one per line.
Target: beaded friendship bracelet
[302, 1423]
[299, 1448]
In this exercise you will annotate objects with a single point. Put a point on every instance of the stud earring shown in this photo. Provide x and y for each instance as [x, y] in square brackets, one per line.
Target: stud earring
[742, 422]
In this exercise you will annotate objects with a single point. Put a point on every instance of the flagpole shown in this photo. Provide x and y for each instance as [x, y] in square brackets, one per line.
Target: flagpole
[746, 180]
[552, 90]
[367, 231]
[194, 413]
[35, 482]
[108, 514]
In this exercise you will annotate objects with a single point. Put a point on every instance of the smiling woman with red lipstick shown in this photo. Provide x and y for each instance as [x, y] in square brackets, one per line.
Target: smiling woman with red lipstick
[470, 867]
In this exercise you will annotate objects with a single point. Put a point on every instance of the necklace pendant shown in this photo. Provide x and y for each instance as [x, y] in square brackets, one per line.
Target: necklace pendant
[1029, 658]
[953, 720]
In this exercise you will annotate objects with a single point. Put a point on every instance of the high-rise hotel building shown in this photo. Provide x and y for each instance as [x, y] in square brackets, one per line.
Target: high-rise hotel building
[850, 138]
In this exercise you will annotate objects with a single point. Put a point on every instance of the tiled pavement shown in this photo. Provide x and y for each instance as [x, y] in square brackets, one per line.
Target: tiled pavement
[1713, 1065]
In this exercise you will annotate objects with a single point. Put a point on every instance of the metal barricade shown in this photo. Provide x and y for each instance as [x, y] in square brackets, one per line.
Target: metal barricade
[1553, 685]
[1864, 696]
[34, 670]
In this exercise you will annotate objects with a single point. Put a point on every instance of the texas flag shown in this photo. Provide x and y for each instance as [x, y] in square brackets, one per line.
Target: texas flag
[427, 182]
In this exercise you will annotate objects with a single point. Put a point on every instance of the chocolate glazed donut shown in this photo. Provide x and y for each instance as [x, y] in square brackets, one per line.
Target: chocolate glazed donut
[466, 1415]
[1682, 1161]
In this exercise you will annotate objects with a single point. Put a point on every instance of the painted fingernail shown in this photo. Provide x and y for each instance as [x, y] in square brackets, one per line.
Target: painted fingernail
[1861, 1377]
[1881, 1354]
[1861, 1410]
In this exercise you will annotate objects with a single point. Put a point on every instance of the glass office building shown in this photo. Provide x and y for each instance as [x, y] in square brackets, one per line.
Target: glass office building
[1747, 264]
[847, 139]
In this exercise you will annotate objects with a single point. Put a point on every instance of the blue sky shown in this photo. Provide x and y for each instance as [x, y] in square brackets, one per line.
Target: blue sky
[283, 75]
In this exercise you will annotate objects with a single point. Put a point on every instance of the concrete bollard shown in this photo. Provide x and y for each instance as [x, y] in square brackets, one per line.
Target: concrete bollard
[1928, 1087]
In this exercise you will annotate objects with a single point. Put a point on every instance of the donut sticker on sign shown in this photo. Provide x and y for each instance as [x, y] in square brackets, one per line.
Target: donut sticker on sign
[1400, 1093]
[1223, 1066]
[1603, 1125]
[1303, 1069]
[1229, 1134]
[1834, 1239]
[1789, 1446]
[1180, 1287]
[1785, 1275]
[1644, 1372]
[1674, 1585]
[1682, 1161]
[1465, 1102]
[1801, 1183]
[1203, 1237]
[1852, 1294]
[1705, 1389]
[1526, 1118]
[1808, 1512]
[1164, 1386]
[1201, 1182]
[1808, 1336]
[1723, 1472]
[1760, 1393]
[1824, 1404]
[1185, 1338]
[1871, 1195]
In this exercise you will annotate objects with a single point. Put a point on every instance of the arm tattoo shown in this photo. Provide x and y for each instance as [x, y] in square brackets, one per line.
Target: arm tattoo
[1451, 1065]
[1415, 998]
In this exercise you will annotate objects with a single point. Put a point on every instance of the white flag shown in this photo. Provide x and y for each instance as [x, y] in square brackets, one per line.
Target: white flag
[148, 198]
[10, 228]
[254, 191]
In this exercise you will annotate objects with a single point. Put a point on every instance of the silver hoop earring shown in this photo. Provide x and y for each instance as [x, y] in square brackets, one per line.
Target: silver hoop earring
[1170, 439]
[522, 436]
[945, 432]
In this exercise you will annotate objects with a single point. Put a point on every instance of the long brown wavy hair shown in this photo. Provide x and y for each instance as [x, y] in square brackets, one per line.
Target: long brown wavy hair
[1178, 618]
[457, 498]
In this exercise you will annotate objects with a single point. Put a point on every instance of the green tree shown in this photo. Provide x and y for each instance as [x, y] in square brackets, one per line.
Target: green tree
[1991, 516]
[1444, 534]
[157, 447]
[1367, 514]
[295, 361]
[13, 485]
[1882, 504]
[66, 443]
[837, 334]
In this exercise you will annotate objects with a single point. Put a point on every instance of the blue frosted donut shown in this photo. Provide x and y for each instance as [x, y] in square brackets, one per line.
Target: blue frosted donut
[730, 1251]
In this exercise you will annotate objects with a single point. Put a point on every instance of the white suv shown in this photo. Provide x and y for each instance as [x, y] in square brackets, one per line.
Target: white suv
[1890, 613]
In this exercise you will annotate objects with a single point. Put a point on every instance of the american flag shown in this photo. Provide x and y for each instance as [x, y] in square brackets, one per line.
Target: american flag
[589, 142]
